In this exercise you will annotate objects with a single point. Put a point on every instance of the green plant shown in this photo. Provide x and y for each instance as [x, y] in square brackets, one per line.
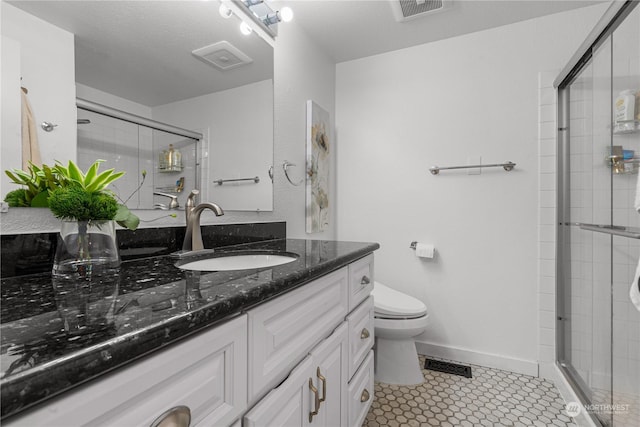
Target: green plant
[38, 182]
[71, 193]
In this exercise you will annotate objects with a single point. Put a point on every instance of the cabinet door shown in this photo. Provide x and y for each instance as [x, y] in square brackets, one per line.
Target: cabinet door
[206, 373]
[283, 331]
[289, 404]
[330, 364]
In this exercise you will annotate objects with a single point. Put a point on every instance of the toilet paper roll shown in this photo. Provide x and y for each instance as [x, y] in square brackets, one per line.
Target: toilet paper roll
[424, 250]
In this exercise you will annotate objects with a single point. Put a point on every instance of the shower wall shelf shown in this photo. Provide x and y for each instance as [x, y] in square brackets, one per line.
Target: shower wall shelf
[172, 169]
[626, 126]
[623, 167]
[508, 166]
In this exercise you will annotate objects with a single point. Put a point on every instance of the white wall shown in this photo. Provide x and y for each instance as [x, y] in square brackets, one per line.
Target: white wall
[441, 104]
[51, 87]
[302, 72]
[100, 97]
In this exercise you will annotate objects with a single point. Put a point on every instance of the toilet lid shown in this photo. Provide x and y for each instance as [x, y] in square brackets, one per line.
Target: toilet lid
[391, 303]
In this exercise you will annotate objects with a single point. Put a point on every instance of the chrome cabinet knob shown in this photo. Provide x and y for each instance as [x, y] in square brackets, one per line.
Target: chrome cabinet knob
[365, 281]
[364, 396]
[364, 334]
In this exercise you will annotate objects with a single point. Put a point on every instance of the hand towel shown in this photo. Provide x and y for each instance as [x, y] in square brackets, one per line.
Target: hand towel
[30, 148]
[634, 292]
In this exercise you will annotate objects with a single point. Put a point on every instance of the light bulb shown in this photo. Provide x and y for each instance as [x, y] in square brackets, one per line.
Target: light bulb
[245, 28]
[286, 14]
[225, 12]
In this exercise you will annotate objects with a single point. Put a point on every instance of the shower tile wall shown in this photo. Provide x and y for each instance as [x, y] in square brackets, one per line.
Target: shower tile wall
[120, 144]
[547, 223]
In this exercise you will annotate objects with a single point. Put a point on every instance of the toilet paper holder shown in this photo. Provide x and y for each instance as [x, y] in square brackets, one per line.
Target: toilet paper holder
[423, 250]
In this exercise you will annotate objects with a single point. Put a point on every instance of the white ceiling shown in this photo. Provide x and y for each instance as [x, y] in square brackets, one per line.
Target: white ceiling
[351, 29]
[141, 50]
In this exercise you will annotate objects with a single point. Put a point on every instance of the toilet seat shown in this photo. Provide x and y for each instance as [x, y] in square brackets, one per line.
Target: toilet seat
[391, 304]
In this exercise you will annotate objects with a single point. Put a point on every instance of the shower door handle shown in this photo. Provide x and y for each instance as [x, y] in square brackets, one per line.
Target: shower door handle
[615, 230]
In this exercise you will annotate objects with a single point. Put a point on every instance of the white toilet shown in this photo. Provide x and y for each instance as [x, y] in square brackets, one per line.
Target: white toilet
[398, 319]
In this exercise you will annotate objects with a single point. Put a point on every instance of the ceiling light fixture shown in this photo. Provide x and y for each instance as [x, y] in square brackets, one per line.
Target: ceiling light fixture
[283, 15]
[256, 16]
[245, 28]
[250, 3]
[225, 12]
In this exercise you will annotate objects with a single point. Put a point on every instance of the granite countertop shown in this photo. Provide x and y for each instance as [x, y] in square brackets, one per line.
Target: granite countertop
[155, 304]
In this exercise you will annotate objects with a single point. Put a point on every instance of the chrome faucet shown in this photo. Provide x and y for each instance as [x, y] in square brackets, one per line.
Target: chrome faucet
[174, 199]
[190, 205]
[193, 237]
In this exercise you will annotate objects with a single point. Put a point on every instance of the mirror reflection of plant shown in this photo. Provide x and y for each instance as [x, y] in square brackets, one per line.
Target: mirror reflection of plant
[144, 176]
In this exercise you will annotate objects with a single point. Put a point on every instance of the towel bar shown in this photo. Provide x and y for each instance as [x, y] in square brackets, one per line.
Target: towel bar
[222, 181]
[615, 230]
[508, 166]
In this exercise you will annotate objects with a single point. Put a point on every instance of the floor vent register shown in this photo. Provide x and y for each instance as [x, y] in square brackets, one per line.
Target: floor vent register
[448, 367]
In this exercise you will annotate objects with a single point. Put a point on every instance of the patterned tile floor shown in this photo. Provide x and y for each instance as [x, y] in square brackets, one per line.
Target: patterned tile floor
[491, 398]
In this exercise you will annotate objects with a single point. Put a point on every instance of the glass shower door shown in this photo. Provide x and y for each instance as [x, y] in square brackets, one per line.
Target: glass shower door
[584, 312]
[625, 357]
[599, 245]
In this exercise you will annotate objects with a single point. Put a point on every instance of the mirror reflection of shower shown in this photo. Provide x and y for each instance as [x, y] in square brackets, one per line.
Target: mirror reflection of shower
[135, 148]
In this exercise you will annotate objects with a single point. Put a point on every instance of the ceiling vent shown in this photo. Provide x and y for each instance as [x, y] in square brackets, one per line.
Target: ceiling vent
[222, 55]
[405, 10]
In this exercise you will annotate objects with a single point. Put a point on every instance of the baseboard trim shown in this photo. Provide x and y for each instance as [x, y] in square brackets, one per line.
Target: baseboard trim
[519, 366]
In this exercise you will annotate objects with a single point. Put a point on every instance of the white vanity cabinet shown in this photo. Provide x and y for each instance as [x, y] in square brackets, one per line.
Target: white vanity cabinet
[205, 373]
[310, 350]
[303, 358]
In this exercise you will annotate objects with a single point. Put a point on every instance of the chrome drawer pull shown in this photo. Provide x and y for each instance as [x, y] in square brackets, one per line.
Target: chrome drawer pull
[317, 400]
[364, 396]
[364, 334]
[180, 416]
[324, 385]
[365, 281]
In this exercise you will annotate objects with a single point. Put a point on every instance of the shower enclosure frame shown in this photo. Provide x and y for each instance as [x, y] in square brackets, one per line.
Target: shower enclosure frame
[197, 137]
[612, 18]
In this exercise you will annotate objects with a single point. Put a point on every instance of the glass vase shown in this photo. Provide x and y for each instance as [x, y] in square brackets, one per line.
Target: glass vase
[86, 275]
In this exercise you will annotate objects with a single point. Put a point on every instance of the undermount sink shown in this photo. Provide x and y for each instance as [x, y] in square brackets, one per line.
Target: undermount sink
[244, 261]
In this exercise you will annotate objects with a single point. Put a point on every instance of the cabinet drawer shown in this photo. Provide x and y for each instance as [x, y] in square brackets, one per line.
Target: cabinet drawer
[361, 392]
[282, 332]
[361, 335]
[360, 280]
[206, 373]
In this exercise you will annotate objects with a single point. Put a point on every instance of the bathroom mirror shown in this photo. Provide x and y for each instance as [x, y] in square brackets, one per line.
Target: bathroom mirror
[136, 56]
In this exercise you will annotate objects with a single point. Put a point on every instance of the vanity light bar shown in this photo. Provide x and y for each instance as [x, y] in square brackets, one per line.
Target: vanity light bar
[256, 16]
